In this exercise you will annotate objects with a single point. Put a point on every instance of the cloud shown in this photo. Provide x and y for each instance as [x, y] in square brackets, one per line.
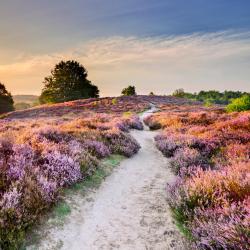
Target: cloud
[160, 64]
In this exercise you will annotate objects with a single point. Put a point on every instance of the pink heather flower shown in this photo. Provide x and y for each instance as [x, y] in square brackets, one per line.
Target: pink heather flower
[97, 148]
[19, 161]
[10, 199]
[61, 169]
[186, 157]
[222, 227]
[49, 189]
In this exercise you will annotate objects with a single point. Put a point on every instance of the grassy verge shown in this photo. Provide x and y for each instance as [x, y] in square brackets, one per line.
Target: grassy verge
[64, 207]
[181, 225]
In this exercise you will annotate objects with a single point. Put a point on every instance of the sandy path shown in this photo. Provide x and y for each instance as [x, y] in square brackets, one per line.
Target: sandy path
[128, 211]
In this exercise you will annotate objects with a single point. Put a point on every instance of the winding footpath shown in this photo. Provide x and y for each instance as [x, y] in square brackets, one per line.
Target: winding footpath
[128, 211]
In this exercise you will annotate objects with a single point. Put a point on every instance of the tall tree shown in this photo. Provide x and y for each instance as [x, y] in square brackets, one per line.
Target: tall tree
[68, 81]
[6, 100]
[130, 90]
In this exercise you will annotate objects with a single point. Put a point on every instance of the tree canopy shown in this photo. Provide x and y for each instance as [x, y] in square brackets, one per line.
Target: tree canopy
[211, 96]
[239, 104]
[130, 90]
[179, 93]
[68, 81]
[6, 100]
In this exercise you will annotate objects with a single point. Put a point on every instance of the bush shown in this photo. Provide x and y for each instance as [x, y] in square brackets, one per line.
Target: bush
[186, 157]
[130, 90]
[239, 104]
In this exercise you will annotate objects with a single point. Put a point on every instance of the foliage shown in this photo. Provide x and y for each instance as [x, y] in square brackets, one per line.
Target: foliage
[211, 96]
[130, 90]
[6, 100]
[239, 104]
[68, 81]
[41, 156]
[210, 152]
[179, 93]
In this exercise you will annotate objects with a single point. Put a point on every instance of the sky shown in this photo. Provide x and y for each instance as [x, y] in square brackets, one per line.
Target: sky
[156, 45]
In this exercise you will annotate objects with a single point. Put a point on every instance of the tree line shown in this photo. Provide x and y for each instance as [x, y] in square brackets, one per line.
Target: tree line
[210, 96]
[69, 81]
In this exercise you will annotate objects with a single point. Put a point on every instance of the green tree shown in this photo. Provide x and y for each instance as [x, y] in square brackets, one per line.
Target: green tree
[130, 90]
[179, 93]
[68, 81]
[6, 100]
[239, 104]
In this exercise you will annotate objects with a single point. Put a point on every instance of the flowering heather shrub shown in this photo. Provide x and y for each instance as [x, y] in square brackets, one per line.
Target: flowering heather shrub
[210, 151]
[10, 199]
[97, 148]
[135, 123]
[61, 169]
[186, 157]
[223, 227]
[121, 143]
[237, 152]
[167, 144]
[61, 146]
[48, 188]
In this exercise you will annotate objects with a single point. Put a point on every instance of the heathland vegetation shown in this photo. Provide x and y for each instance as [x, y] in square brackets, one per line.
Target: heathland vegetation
[51, 147]
[55, 145]
[209, 150]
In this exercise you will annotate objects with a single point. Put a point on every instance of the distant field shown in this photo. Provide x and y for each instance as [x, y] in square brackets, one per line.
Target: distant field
[22, 102]
[30, 99]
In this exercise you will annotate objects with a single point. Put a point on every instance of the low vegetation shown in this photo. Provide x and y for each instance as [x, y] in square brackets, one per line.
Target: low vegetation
[50, 147]
[209, 150]
[41, 156]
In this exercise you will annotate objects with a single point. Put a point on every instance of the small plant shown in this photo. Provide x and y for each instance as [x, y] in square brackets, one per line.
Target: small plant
[62, 210]
[114, 101]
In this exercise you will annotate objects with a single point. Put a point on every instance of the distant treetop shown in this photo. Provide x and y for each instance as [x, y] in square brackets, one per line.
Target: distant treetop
[68, 81]
[130, 90]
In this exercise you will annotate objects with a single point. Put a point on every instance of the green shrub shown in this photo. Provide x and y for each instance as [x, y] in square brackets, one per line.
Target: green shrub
[114, 101]
[239, 104]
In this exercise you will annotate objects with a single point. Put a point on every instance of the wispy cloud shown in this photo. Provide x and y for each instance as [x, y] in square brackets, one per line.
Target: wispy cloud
[159, 64]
